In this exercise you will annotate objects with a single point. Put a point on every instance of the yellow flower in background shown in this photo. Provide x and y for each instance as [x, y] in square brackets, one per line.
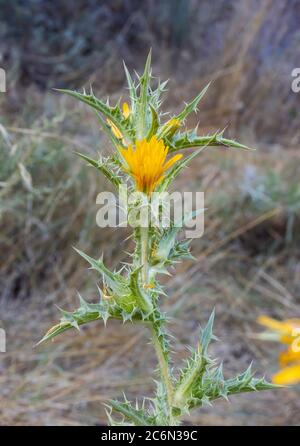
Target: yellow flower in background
[146, 163]
[284, 329]
[287, 376]
[288, 332]
[114, 128]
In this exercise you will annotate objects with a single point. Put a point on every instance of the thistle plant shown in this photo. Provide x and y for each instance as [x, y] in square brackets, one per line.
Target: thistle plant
[150, 151]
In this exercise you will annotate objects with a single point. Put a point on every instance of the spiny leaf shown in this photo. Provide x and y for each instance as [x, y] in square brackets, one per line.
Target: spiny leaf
[55, 331]
[84, 314]
[127, 294]
[192, 106]
[246, 382]
[117, 284]
[180, 251]
[155, 95]
[167, 241]
[113, 114]
[115, 281]
[207, 333]
[143, 299]
[195, 368]
[224, 390]
[138, 417]
[131, 87]
[213, 386]
[154, 123]
[142, 102]
[191, 139]
[103, 168]
[177, 168]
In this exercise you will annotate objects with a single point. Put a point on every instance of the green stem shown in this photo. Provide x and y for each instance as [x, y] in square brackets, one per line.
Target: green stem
[144, 253]
[164, 369]
[162, 360]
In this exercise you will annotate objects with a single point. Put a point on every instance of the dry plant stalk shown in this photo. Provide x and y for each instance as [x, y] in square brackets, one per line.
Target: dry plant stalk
[142, 145]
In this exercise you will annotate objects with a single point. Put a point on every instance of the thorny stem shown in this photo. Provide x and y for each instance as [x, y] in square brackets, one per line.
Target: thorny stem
[144, 253]
[163, 363]
[164, 370]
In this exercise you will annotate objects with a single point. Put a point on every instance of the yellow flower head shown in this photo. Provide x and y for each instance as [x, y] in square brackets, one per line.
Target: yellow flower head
[146, 163]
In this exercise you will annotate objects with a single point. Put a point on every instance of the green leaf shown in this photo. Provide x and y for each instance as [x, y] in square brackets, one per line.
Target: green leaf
[246, 382]
[177, 168]
[192, 106]
[155, 95]
[168, 239]
[113, 114]
[207, 334]
[191, 139]
[117, 285]
[115, 281]
[132, 89]
[103, 167]
[195, 367]
[84, 314]
[154, 124]
[180, 251]
[143, 300]
[127, 294]
[136, 416]
[213, 386]
[142, 101]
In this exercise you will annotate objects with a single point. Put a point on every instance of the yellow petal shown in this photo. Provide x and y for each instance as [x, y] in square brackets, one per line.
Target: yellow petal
[295, 323]
[172, 161]
[126, 110]
[288, 375]
[114, 129]
[281, 327]
[287, 339]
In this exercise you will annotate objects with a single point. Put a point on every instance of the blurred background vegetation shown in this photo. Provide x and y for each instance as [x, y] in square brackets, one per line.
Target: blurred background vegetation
[247, 260]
